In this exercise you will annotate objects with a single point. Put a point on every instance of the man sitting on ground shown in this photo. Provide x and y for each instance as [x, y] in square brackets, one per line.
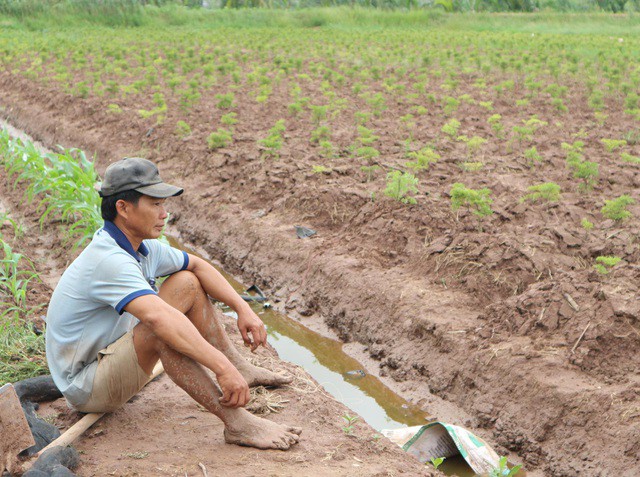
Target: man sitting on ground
[108, 324]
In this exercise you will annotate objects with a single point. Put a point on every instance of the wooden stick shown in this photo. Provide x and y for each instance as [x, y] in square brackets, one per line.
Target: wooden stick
[87, 421]
[580, 338]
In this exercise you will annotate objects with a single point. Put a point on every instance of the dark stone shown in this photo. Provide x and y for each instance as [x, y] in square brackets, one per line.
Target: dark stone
[55, 462]
[37, 389]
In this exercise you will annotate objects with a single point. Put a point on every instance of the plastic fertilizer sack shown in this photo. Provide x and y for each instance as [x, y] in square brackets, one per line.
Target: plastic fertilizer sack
[439, 439]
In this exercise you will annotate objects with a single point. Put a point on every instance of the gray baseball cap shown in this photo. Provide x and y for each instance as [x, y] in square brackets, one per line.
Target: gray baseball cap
[135, 173]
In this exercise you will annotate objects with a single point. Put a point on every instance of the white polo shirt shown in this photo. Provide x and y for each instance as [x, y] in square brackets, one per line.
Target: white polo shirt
[86, 311]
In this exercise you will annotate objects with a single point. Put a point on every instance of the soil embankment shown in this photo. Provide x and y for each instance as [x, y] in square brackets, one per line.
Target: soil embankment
[509, 322]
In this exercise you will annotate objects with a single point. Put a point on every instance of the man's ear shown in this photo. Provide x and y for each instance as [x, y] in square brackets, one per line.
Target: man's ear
[123, 207]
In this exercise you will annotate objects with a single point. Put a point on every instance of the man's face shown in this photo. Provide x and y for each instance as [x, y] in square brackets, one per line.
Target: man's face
[146, 219]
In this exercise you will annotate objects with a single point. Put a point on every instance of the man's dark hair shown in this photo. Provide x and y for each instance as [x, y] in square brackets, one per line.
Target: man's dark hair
[108, 206]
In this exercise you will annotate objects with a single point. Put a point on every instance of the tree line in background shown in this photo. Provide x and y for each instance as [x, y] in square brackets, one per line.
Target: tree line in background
[23, 8]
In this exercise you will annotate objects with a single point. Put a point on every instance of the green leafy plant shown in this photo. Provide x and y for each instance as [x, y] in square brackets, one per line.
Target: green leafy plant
[503, 469]
[422, 159]
[616, 209]
[274, 141]
[588, 171]
[478, 201]
[532, 155]
[605, 263]
[495, 122]
[219, 139]
[229, 119]
[370, 171]
[613, 144]
[183, 130]
[400, 184]
[586, 224]
[437, 461]
[626, 157]
[321, 169]
[548, 191]
[473, 144]
[349, 423]
[451, 127]
[225, 100]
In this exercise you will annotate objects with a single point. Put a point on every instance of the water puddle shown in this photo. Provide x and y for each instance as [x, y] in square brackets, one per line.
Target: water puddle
[340, 374]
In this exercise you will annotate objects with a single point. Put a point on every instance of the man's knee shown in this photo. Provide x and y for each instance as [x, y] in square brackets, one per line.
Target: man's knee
[181, 290]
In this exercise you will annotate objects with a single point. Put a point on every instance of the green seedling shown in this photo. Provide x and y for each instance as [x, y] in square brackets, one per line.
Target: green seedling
[548, 191]
[471, 166]
[366, 136]
[183, 130]
[600, 117]
[225, 101]
[349, 421]
[473, 144]
[370, 171]
[586, 224]
[495, 122]
[229, 119]
[587, 171]
[114, 109]
[321, 133]
[437, 462]
[478, 201]
[626, 157]
[613, 144]
[605, 263]
[219, 139]
[367, 152]
[400, 184]
[503, 469]
[321, 169]
[451, 127]
[616, 209]
[274, 141]
[422, 159]
[532, 156]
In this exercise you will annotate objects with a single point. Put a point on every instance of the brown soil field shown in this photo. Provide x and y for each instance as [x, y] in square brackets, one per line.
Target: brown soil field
[504, 318]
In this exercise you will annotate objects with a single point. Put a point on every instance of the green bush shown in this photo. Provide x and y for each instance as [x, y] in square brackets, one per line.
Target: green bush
[478, 201]
[400, 184]
[219, 139]
[548, 191]
[616, 209]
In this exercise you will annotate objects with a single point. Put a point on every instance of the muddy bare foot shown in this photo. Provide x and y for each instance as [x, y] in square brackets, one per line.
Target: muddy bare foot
[257, 376]
[249, 430]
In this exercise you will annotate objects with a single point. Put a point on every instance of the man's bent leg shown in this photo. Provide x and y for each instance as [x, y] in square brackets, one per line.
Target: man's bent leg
[184, 292]
[241, 427]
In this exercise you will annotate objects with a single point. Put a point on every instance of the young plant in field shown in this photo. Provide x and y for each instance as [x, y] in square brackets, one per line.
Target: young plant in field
[219, 139]
[616, 209]
[321, 169]
[366, 136]
[327, 149]
[400, 185]
[600, 117]
[320, 134]
[548, 191]
[451, 127]
[437, 462]
[573, 152]
[626, 157]
[532, 156]
[473, 144]
[495, 121]
[503, 469]
[586, 224]
[225, 100]
[183, 130]
[159, 111]
[229, 120]
[367, 152]
[114, 109]
[587, 171]
[478, 201]
[362, 117]
[370, 171]
[349, 423]
[613, 144]
[605, 263]
[471, 166]
[274, 141]
[318, 113]
[422, 159]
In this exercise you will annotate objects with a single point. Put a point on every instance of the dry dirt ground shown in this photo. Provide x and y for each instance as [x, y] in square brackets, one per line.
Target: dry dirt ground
[506, 319]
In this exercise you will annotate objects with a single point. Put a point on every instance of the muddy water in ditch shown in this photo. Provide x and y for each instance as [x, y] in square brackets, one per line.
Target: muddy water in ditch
[340, 374]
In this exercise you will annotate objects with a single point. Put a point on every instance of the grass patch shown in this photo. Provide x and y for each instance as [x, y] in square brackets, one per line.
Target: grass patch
[22, 352]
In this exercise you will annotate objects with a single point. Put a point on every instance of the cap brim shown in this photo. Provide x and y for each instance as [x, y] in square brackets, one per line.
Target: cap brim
[160, 191]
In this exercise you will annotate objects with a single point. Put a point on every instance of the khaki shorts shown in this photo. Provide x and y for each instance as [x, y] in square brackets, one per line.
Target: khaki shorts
[118, 377]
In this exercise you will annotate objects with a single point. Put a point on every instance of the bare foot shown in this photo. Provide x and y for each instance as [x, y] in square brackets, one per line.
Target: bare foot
[245, 429]
[257, 376]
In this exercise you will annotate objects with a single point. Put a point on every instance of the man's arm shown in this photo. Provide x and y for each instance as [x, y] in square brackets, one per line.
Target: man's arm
[176, 331]
[214, 284]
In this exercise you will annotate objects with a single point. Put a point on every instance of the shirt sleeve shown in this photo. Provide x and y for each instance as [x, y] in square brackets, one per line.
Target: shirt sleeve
[116, 281]
[166, 259]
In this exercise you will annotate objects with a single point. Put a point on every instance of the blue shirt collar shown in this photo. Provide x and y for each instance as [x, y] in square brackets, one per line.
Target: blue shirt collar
[122, 240]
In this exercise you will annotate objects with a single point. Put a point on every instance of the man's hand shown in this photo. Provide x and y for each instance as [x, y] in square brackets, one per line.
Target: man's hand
[248, 322]
[235, 390]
